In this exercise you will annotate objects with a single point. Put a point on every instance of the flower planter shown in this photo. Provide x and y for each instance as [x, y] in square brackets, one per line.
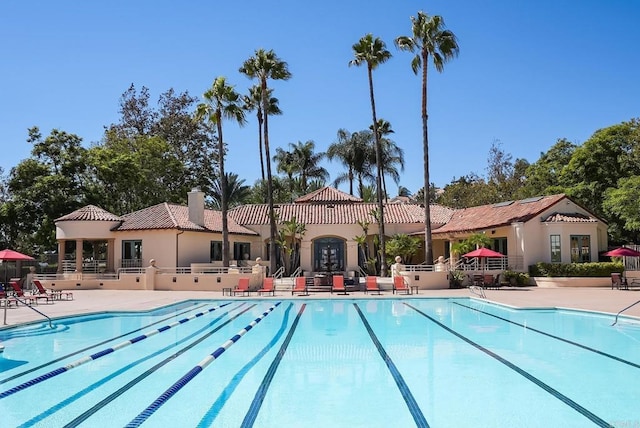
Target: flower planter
[558, 282]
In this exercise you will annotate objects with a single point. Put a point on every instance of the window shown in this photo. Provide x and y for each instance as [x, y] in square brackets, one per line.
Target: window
[215, 254]
[499, 245]
[241, 251]
[556, 256]
[132, 253]
[580, 248]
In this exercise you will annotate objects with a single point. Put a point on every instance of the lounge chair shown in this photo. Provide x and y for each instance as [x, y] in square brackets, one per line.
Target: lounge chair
[267, 287]
[337, 285]
[56, 294]
[371, 284]
[300, 286]
[619, 282]
[242, 287]
[490, 281]
[6, 300]
[28, 299]
[400, 285]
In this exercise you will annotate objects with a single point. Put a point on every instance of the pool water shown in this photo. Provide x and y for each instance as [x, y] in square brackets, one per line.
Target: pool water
[333, 363]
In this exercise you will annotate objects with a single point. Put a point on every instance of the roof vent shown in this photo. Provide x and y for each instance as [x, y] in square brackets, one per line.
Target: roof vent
[502, 204]
[529, 200]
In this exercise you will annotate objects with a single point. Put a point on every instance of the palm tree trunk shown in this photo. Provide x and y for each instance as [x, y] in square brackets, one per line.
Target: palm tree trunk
[260, 120]
[428, 243]
[223, 194]
[273, 231]
[383, 252]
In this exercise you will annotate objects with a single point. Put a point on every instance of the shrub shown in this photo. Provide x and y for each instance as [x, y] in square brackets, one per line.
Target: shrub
[601, 269]
[520, 278]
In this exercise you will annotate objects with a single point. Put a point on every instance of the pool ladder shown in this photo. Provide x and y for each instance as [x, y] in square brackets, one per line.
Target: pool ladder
[6, 304]
[478, 291]
[618, 314]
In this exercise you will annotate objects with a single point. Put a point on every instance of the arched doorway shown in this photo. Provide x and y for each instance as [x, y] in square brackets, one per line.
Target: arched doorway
[329, 255]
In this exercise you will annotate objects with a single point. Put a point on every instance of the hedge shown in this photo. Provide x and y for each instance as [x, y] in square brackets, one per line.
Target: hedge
[600, 269]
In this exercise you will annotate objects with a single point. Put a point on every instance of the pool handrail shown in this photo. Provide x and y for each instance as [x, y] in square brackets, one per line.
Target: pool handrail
[618, 314]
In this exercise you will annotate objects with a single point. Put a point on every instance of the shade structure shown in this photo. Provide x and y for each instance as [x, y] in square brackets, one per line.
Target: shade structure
[10, 255]
[623, 252]
[483, 252]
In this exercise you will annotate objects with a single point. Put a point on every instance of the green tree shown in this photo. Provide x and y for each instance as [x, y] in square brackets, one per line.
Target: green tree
[48, 185]
[543, 176]
[404, 246]
[252, 102]
[237, 192]
[429, 39]
[265, 65]
[289, 240]
[392, 155]
[353, 151]
[621, 203]
[373, 52]
[222, 102]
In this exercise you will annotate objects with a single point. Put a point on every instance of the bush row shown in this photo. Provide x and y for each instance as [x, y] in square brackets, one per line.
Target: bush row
[600, 269]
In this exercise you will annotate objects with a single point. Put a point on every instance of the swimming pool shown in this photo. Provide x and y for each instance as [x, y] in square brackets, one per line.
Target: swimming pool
[310, 363]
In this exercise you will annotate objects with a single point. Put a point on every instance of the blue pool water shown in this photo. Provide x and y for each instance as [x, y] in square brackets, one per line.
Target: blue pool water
[329, 363]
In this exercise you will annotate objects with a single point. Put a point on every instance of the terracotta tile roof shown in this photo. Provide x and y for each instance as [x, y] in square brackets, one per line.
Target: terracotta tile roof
[570, 218]
[169, 216]
[496, 215]
[327, 195]
[90, 213]
[342, 213]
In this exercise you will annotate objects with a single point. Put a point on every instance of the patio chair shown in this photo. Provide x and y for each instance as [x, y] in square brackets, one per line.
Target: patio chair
[267, 287]
[619, 282]
[400, 285]
[56, 294]
[490, 281]
[242, 287]
[6, 300]
[28, 299]
[300, 286]
[371, 284]
[337, 285]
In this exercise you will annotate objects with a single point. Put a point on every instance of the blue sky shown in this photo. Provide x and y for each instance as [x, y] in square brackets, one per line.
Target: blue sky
[529, 72]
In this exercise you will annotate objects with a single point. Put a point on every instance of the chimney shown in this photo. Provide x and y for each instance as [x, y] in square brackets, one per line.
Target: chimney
[196, 206]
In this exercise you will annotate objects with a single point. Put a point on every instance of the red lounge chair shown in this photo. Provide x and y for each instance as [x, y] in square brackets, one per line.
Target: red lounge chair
[21, 297]
[267, 287]
[56, 294]
[337, 285]
[6, 300]
[242, 287]
[400, 285]
[300, 286]
[490, 281]
[372, 285]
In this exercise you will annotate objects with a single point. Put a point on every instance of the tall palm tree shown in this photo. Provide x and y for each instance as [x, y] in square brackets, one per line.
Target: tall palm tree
[352, 150]
[307, 163]
[285, 163]
[373, 52]
[253, 101]
[265, 65]
[429, 38]
[237, 192]
[392, 155]
[221, 102]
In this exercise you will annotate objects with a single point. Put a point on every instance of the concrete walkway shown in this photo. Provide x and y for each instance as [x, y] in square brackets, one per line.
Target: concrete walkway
[89, 301]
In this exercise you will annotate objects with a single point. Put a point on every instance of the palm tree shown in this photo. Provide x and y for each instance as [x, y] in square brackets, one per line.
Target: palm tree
[307, 163]
[429, 38]
[285, 163]
[392, 155]
[373, 52]
[237, 192]
[265, 65]
[352, 150]
[221, 101]
[253, 101]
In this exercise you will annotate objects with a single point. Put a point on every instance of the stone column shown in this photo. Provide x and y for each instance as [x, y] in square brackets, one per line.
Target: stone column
[111, 255]
[79, 258]
[61, 248]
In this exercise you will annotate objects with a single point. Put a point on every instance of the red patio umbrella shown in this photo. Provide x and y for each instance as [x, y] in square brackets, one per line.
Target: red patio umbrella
[483, 253]
[12, 256]
[623, 252]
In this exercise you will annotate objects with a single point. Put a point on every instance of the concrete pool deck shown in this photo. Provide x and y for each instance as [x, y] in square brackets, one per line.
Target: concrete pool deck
[91, 301]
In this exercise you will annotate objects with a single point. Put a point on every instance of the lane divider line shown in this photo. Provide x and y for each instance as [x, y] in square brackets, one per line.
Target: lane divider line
[258, 399]
[188, 377]
[582, 410]
[570, 342]
[116, 394]
[104, 352]
[412, 404]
